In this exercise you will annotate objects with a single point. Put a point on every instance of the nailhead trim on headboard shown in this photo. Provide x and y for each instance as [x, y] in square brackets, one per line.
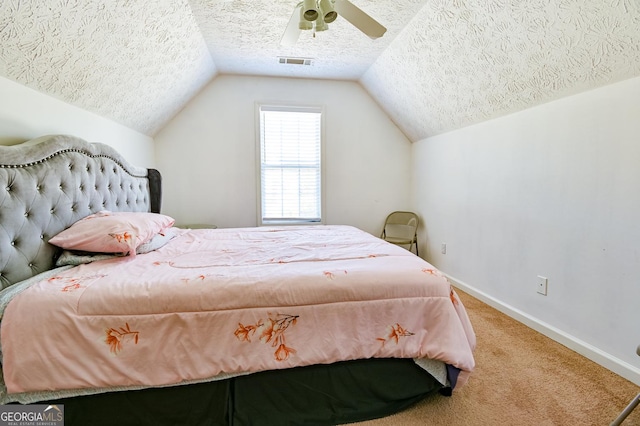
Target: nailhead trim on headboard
[65, 151]
[48, 184]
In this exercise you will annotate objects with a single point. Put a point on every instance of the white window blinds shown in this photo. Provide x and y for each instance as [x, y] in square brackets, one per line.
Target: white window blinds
[290, 164]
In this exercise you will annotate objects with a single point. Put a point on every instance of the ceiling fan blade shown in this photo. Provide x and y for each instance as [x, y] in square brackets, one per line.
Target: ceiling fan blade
[292, 32]
[359, 19]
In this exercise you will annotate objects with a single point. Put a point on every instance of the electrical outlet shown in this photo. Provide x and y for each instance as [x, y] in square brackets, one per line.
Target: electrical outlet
[443, 248]
[542, 285]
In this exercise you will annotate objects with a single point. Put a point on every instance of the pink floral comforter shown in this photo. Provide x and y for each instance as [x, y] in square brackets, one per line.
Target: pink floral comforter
[232, 301]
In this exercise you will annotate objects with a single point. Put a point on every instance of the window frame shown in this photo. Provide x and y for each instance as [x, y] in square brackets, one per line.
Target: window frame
[287, 107]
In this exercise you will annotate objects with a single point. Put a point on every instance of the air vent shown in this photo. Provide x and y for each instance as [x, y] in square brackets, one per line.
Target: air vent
[294, 61]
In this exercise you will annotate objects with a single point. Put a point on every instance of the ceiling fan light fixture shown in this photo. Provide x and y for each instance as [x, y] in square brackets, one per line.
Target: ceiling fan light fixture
[326, 9]
[317, 14]
[303, 24]
[310, 10]
[321, 25]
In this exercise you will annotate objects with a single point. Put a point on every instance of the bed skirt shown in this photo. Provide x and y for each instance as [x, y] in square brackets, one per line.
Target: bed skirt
[340, 393]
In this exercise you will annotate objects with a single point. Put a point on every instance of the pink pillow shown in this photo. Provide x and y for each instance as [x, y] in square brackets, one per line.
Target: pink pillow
[112, 232]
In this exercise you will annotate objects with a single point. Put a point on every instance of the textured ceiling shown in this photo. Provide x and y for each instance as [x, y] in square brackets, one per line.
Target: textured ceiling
[462, 62]
[244, 37]
[442, 65]
[135, 62]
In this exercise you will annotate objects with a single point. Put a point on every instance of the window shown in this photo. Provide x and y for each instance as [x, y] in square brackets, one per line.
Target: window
[290, 165]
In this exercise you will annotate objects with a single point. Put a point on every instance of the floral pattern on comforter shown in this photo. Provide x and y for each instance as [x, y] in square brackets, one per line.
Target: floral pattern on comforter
[232, 301]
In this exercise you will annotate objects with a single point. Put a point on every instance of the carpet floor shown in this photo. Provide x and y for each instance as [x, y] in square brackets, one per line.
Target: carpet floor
[523, 378]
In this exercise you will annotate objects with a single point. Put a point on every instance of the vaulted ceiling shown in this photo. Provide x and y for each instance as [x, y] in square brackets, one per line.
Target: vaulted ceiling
[442, 64]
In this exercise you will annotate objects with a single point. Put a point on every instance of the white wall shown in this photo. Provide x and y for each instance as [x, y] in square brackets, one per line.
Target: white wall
[26, 114]
[551, 191]
[207, 153]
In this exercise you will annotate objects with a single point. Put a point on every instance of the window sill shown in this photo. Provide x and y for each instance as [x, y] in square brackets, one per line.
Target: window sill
[290, 222]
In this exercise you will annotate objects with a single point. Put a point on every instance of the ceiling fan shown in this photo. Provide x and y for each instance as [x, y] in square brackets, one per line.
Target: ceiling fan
[316, 14]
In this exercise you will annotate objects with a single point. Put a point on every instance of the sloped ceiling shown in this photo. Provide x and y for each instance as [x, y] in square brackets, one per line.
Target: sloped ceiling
[136, 62]
[442, 65]
[462, 62]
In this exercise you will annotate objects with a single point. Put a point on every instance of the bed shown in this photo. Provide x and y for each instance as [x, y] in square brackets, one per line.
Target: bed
[320, 324]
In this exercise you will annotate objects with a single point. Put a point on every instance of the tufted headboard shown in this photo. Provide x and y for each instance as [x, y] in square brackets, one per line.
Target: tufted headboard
[49, 183]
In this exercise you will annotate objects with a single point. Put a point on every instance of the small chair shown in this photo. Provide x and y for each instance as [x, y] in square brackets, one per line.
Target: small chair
[401, 228]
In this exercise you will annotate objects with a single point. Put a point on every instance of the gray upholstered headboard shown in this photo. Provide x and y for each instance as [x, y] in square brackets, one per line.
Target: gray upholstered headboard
[48, 184]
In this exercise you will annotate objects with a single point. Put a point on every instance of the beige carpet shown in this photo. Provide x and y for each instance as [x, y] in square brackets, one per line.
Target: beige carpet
[523, 378]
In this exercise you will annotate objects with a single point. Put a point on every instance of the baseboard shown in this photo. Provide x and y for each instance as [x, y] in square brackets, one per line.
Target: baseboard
[596, 355]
